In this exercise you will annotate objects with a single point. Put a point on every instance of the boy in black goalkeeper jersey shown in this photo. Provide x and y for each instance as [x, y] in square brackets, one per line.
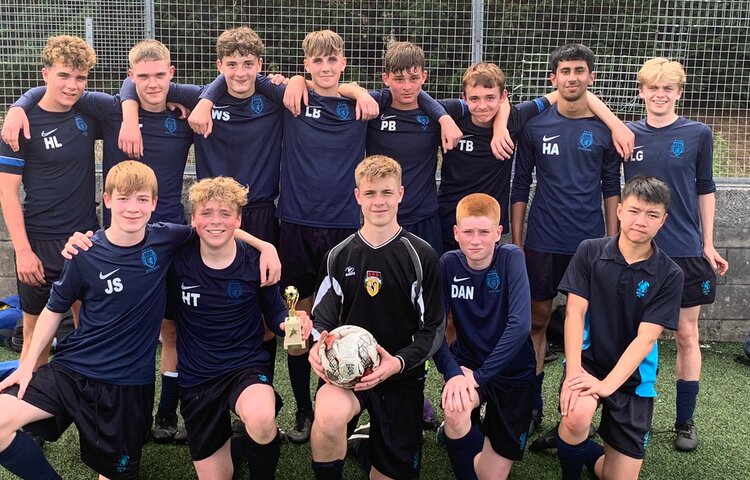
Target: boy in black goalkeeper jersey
[387, 281]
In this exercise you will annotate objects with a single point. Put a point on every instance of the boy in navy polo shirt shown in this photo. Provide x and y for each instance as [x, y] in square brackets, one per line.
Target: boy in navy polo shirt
[622, 292]
[387, 281]
[486, 290]
[576, 165]
[55, 163]
[102, 377]
[680, 152]
[220, 307]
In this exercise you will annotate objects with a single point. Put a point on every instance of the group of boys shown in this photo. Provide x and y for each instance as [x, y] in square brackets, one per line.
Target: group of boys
[382, 272]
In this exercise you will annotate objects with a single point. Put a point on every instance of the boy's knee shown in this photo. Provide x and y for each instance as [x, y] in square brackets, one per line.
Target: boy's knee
[456, 422]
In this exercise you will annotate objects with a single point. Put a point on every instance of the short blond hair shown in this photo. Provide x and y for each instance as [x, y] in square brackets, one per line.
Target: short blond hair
[69, 51]
[129, 177]
[403, 56]
[323, 43]
[242, 40]
[484, 74]
[148, 50]
[225, 190]
[478, 205]
[661, 69]
[377, 167]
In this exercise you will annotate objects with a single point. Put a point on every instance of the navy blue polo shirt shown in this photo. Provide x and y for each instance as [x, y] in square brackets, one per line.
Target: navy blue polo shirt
[621, 296]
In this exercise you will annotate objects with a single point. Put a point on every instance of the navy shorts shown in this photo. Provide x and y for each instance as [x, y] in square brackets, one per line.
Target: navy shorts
[205, 408]
[700, 281]
[260, 221]
[429, 231]
[302, 250]
[545, 272]
[395, 409]
[626, 423]
[34, 299]
[113, 421]
[507, 417]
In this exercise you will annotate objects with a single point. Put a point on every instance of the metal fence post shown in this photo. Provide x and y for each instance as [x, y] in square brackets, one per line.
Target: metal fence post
[477, 30]
[148, 19]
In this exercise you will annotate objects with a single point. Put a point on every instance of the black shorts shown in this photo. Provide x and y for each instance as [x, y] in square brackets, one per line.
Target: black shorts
[626, 422]
[429, 231]
[395, 427]
[700, 281]
[205, 408]
[507, 417]
[260, 221]
[545, 272]
[113, 421]
[302, 250]
[34, 299]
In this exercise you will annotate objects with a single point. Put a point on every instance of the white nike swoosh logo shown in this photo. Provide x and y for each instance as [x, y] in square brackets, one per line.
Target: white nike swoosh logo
[188, 287]
[456, 279]
[387, 117]
[467, 136]
[104, 277]
[547, 139]
[44, 134]
[219, 107]
[638, 147]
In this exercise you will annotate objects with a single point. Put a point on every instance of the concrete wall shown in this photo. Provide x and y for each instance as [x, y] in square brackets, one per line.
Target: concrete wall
[727, 319]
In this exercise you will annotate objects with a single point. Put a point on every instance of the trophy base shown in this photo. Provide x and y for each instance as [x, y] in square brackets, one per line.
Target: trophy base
[294, 345]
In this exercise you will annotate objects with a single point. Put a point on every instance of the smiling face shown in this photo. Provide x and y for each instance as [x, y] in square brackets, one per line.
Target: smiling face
[572, 78]
[660, 99]
[130, 212]
[483, 103]
[325, 71]
[405, 87]
[215, 222]
[151, 79]
[240, 72]
[379, 199]
[65, 85]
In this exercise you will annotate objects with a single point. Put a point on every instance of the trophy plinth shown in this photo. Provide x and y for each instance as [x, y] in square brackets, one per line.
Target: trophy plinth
[292, 326]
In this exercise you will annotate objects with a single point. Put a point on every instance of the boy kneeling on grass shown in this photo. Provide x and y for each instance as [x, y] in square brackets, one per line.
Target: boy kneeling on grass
[622, 292]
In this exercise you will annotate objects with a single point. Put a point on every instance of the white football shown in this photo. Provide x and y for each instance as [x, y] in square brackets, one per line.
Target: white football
[348, 354]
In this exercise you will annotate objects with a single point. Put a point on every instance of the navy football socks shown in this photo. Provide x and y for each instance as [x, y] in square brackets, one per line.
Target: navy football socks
[25, 458]
[299, 377]
[329, 470]
[687, 397]
[263, 459]
[170, 394]
[462, 451]
[538, 403]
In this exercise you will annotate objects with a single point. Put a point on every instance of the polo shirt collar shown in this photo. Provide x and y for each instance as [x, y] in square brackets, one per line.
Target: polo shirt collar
[611, 251]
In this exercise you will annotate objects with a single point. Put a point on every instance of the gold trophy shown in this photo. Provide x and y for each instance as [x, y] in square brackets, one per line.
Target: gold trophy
[292, 326]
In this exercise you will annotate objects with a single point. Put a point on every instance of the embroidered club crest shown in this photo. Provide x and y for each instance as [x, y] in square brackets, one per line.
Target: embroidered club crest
[234, 290]
[342, 110]
[586, 140]
[148, 258]
[423, 120]
[82, 125]
[256, 105]
[492, 280]
[373, 282]
[678, 147]
[170, 124]
[642, 288]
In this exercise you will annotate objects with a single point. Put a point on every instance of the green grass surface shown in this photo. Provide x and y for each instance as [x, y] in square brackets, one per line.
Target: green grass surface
[722, 419]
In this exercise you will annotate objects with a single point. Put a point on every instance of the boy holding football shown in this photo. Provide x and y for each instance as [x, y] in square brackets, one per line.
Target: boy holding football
[387, 281]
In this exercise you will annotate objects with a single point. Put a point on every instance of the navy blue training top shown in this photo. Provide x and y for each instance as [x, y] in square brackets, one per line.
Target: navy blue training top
[492, 315]
[412, 138]
[123, 295]
[321, 149]
[621, 297]
[576, 165]
[220, 313]
[472, 167]
[57, 169]
[245, 142]
[166, 140]
[680, 154]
